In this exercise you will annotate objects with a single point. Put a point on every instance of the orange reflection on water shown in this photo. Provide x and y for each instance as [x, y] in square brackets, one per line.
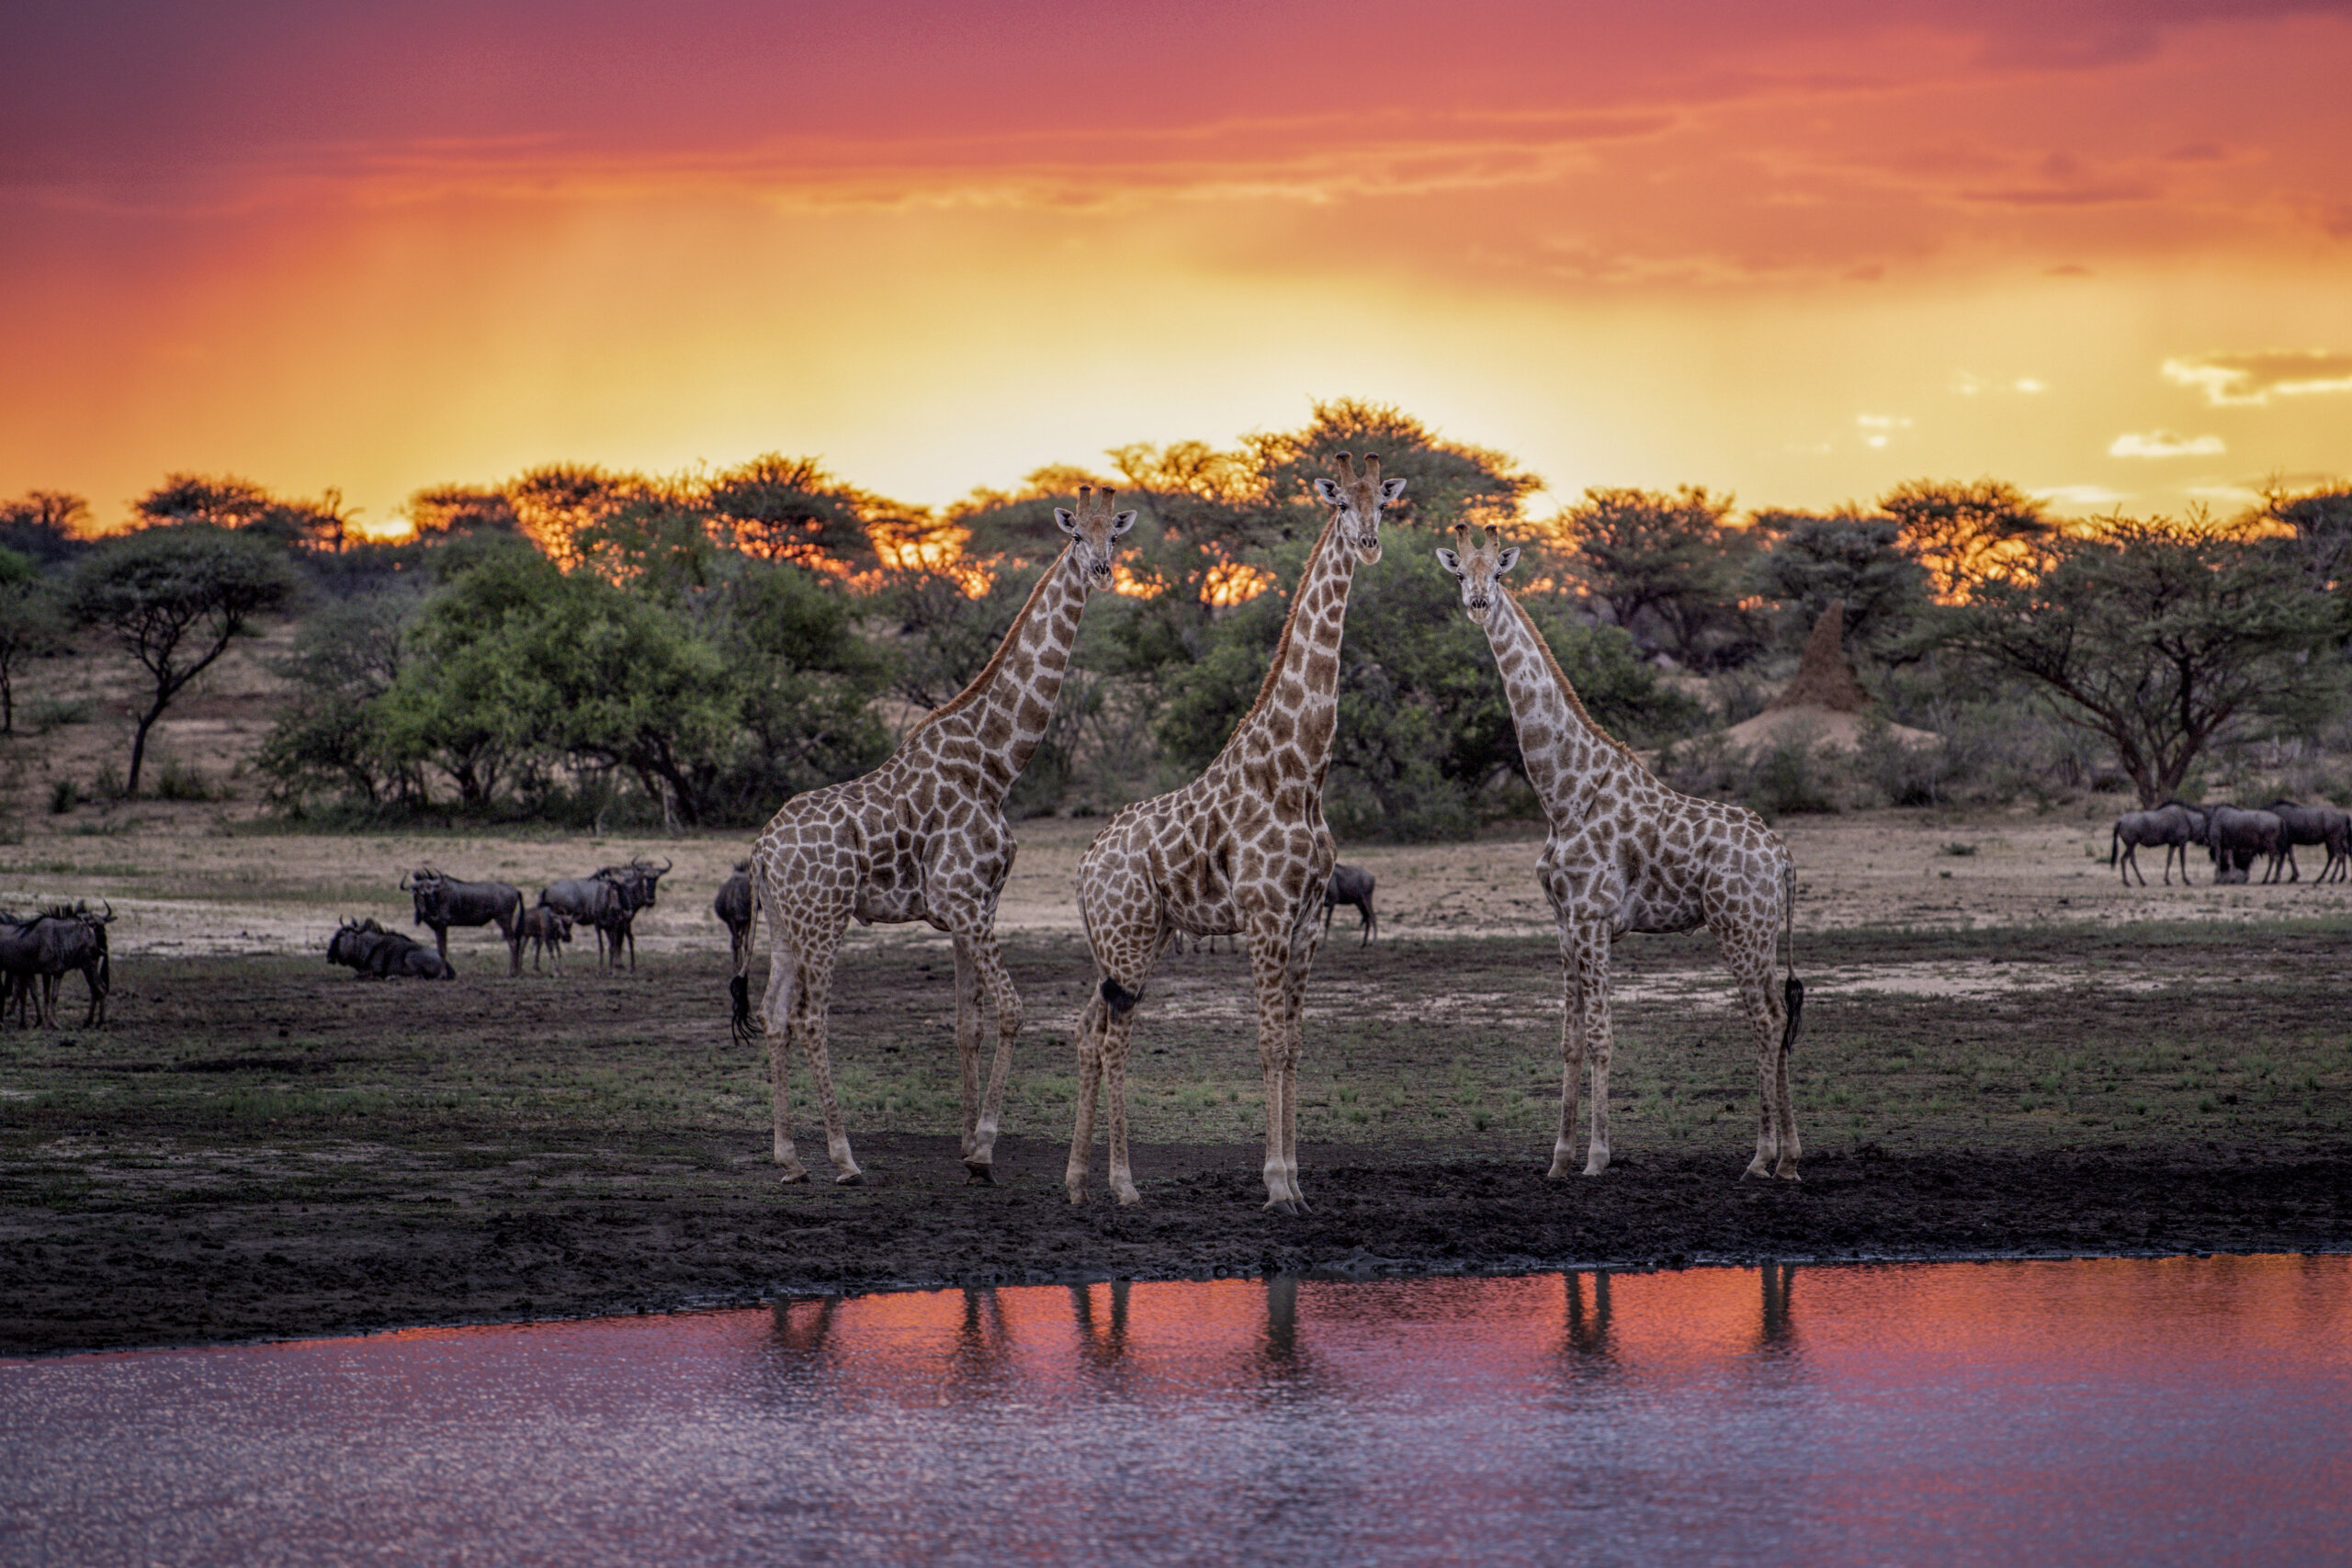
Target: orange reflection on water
[1842, 1324]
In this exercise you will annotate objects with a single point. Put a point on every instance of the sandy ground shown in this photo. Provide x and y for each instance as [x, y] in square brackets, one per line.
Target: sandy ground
[192, 880]
[210, 878]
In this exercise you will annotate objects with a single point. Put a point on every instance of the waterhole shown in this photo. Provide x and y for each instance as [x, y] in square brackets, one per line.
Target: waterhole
[2124, 1411]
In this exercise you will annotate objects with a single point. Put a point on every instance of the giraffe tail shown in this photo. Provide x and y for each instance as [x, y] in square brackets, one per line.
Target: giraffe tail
[738, 989]
[1792, 988]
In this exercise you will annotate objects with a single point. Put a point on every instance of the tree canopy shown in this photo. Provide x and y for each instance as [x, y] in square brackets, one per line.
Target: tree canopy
[2156, 635]
[173, 597]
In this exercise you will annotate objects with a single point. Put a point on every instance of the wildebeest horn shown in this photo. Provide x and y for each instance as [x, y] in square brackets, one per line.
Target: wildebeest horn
[666, 865]
[405, 881]
[106, 918]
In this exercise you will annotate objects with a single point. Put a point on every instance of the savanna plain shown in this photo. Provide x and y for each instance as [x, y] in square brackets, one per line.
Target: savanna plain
[2005, 1053]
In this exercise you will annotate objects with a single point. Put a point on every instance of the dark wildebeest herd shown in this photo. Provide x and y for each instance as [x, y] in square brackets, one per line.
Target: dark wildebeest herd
[606, 902]
[38, 951]
[2234, 838]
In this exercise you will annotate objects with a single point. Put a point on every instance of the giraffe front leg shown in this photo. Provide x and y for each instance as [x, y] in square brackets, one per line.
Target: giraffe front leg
[1090, 1023]
[968, 1043]
[1270, 950]
[1308, 937]
[979, 1159]
[1572, 1043]
[1601, 1039]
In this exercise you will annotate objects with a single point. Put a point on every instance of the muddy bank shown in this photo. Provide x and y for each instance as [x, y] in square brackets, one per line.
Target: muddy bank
[261, 1148]
[216, 1271]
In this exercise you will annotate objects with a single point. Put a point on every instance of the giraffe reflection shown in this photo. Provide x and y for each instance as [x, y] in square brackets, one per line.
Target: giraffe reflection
[984, 1344]
[1585, 1336]
[1102, 1346]
[802, 1326]
[1776, 1333]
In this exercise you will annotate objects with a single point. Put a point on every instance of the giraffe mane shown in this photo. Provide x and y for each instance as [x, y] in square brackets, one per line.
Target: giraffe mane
[1282, 644]
[980, 682]
[1560, 678]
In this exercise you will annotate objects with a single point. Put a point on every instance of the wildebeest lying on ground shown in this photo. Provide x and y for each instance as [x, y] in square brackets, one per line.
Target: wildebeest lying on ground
[608, 901]
[1352, 884]
[547, 929]
[2175, 824]
[38, 951]
[733, 908]
[443, 901]
[2234, 838]
[2322, 825]
[374, 953]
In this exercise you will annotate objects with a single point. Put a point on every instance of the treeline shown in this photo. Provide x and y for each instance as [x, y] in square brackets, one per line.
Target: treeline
[589, 646]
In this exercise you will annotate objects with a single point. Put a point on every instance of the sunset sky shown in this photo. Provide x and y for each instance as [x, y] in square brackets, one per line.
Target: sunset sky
[1799, 251]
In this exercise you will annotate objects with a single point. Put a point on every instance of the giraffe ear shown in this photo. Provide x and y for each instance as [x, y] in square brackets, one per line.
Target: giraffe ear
[1510, 559]
[1065, 522]
[1450, 562]
[1122, 523]
[1390, 489]
[1329, 494]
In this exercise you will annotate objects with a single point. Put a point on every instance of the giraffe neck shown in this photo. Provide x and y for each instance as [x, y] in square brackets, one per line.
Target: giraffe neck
[1009, 704]
[1563, 751]
[1297, 707]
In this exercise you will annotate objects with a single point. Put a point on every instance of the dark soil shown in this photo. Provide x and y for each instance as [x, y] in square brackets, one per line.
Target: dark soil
[266, 1149]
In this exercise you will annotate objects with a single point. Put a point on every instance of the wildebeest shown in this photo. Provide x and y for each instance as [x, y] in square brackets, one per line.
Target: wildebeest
[2322, 825]
[2175, 824]
[37, 952]
[1352, 884]
[374, 953]
[546, 930]
[443, 901]
[608, 901]
[733, 908]
[2234, 838]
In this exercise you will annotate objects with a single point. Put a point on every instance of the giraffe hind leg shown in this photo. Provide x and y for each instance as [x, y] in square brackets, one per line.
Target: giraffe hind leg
[1005, 1002]
[1090, 1024]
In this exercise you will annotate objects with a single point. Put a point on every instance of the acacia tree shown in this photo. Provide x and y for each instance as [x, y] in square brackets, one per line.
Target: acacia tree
[47, 525]
[2156, 635]
[1844, 556]
[173, 597]
[1964, 534]
[29, 622]
[1666, 566]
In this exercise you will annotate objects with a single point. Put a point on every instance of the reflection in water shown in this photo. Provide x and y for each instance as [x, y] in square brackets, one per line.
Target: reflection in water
[2122, 1411]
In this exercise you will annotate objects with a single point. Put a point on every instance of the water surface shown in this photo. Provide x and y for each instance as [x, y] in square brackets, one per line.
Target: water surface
[2125, 1411]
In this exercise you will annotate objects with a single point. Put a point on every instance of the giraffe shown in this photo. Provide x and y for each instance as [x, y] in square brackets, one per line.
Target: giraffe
[1241, 849]
[920, 838]
[1626, 853]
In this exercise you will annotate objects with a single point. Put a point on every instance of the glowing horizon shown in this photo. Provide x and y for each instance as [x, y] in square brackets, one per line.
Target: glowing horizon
[1798, 255]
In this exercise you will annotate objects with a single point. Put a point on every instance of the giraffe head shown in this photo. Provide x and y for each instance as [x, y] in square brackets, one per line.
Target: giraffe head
[1358, 497]
[1479, 567]
[1091, 528]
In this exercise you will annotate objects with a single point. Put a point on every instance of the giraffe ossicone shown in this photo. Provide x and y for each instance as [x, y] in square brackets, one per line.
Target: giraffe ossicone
[920, 838]
[1626, 853]
[1241, 849]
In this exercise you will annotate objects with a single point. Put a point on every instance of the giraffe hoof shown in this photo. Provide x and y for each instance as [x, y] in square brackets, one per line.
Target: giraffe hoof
[790, 1176]
[979, 1173]
[850, 1179]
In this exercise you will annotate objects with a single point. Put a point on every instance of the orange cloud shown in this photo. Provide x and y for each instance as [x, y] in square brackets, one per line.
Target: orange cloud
[946, 245]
